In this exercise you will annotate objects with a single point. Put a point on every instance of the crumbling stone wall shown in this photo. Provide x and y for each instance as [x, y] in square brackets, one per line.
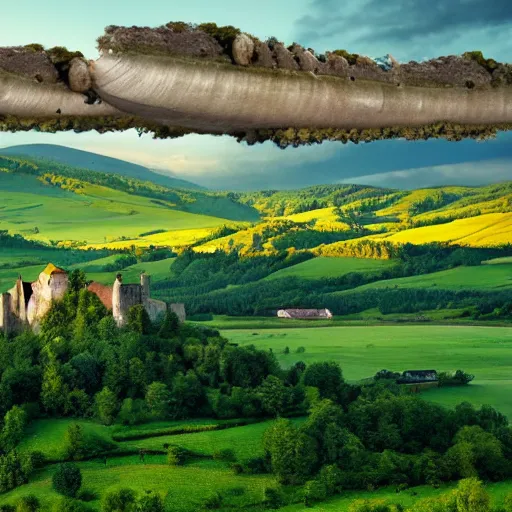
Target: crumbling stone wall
[179, 310]
[124, 296]
[46, 290]
[5, 313]
[156, 308]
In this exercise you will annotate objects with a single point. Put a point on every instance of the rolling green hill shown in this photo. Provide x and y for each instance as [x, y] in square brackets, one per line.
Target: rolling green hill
[94, 162]
[318, 268]
[484, 277]
[97, 214]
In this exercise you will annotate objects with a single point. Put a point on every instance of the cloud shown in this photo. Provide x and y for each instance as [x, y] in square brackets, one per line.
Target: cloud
[411, 28]
[468, 174]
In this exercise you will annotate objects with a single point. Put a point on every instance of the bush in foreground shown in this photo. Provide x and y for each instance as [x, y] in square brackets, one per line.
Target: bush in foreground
[67, 480]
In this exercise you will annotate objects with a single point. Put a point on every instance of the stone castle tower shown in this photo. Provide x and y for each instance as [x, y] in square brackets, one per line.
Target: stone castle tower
[124, 296]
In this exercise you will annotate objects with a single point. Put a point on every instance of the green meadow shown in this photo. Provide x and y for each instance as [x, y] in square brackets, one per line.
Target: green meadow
[158, 270]
[187, 485]
[497, 276]
[96, 215]
[362, 351]
[321, 267]
[498, 491]
[246, 441]
[184, 488]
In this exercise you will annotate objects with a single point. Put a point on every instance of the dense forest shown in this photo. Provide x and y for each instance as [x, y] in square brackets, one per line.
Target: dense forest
[202, 280]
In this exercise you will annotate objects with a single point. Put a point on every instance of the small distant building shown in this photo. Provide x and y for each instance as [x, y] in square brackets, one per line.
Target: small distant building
[418, 377]
[305, 314]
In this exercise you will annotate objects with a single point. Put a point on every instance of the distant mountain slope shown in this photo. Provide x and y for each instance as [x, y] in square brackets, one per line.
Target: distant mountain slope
[95, 162]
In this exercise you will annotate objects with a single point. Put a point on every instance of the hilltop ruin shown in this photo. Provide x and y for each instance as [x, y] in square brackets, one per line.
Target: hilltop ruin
[26, 303]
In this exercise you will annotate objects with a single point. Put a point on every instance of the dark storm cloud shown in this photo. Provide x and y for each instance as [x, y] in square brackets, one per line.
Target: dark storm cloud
[389, 163]
[402, 20]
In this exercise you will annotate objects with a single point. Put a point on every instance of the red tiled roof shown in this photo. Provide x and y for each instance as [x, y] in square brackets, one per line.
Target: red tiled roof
[103, 292]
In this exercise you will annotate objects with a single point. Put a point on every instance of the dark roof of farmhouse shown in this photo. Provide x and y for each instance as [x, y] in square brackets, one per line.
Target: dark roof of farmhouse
[419, 372]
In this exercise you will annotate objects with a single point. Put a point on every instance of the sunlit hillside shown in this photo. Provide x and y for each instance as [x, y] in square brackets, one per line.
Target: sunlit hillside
[483, 231]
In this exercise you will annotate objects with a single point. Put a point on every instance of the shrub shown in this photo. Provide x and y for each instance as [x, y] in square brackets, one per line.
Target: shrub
[176, 455]
[273, 498]
[300, 350]
[74, 442]
[236, 491]
[118, 501]
[28, 504]
[314, 491]
[226, 455]
[507, 503]
[67, 479]
[213, 501]
[37, 459]
[150, 502]
[271, 42]
[237, 468]
[69, 505]
[256, 465]
[133, 412]
[286, 350]
[459, 378]
[351, 57]
[86, 495]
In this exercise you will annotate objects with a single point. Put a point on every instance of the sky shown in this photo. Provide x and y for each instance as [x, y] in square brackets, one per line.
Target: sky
[407, 29]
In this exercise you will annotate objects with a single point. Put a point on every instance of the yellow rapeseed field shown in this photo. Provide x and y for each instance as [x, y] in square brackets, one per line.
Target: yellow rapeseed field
[483, 231]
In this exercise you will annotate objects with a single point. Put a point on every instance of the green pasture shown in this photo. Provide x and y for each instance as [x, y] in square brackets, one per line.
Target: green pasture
[8, 276]
[99, 214]
[322, 267]
[498, 491]
[184, 487]
[47, 436]
[362, 351]
[245, 441]
[483, 277]
[158, 270]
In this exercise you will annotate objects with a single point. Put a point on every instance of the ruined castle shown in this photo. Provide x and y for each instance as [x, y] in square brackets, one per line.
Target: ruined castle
[27, 303]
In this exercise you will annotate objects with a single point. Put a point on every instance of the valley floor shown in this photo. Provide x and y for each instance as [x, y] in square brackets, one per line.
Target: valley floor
[362, 351]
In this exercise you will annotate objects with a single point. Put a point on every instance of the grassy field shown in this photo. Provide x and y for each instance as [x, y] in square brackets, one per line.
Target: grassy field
[362, 351]
[498, 491]
[245, 441]
[185, 487]
[46, 436]
[318, 268]
[158, 270]
[483, 277]
[8, 276]
[189, 485]
[98, 215]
